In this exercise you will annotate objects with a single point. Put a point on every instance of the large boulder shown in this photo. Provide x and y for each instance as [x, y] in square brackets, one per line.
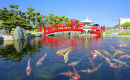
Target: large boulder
[19, 33]
[3, 32]
[20, 44]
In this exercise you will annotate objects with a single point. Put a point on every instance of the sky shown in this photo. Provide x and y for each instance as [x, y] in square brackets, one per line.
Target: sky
[102, 12]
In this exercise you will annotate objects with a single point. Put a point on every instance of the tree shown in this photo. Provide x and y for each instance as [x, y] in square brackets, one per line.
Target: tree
[126, 23]
[34, 17]
[13, 18]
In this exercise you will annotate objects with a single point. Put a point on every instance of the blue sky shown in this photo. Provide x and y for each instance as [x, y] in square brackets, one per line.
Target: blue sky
[103, 12]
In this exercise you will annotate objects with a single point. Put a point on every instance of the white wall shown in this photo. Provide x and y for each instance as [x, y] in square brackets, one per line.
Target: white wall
[123, 20]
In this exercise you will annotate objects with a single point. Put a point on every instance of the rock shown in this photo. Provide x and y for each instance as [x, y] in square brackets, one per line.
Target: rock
[20, 44]
[3, 32]
[1, 38]
[19, 33]
[8, 37]
[38, 34]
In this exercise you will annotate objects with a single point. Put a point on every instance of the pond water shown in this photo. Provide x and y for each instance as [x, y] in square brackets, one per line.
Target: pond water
[105, 63]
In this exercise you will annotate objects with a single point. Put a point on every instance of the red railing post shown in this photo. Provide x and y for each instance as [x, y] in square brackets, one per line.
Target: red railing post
[44, 29]
[56, 27]
[71, 25]
[40, 29]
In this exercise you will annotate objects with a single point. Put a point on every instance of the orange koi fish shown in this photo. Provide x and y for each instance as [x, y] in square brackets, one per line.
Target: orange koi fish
[112, 47]
[107, 53]
[62, 51]
[28, 69]
[40, 60]
[98, 53]
[74, 63]
[68, 73]
[76, 76]
[118, 52]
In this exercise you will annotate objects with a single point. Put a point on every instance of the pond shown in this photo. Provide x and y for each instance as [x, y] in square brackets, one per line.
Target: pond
[51, 58]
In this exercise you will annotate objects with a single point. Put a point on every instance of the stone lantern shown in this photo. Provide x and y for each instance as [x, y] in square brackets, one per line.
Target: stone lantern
[87, 27]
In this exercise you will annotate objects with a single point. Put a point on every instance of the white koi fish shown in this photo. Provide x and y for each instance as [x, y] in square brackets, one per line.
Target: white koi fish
[28, 69]
[74, 63]
[40, 60]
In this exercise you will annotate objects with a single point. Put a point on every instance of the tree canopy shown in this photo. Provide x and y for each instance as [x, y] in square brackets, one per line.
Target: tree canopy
[14, 17]
[126, 23]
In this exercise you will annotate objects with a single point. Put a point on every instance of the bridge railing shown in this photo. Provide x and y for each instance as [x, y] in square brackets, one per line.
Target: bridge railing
[62, 26]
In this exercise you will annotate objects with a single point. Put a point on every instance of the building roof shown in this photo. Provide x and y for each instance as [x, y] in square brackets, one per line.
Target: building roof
[87, 21]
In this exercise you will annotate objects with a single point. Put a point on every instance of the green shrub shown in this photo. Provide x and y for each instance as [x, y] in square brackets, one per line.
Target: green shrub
[108, 32]
[127, 33]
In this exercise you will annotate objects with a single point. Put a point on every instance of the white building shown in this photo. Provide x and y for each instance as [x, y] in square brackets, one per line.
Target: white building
[123, 20]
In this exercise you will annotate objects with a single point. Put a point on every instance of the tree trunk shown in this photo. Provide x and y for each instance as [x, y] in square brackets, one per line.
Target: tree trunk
[9, 30]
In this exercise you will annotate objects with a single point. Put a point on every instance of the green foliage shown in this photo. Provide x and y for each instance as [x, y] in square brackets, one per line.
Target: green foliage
[108, 32]
[126, 23]
[127, 33]
[13, 18]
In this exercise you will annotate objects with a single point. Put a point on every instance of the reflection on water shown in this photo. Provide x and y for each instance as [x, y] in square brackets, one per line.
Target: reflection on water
[65, 58]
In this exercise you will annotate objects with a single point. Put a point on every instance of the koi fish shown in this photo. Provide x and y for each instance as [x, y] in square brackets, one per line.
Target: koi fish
[118, 52]
[66, 54]
[76, 76]
[126, 56]
[68, 73]
[94, 55]
[88, 71]
[115, 66]
[96, 68]
[74, 63]
[40, 60]
[108, 60]
[127, 50]
[66, 59]
[91, 61]
[106, 53]
[75, 72]
[123, 45]
[120, 62]
[112, 47]
[28, 69]
[60, 55]
[62, 51]
[98, 53]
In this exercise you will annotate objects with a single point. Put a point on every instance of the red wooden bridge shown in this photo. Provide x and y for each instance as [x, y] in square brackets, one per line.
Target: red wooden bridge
[68, 27]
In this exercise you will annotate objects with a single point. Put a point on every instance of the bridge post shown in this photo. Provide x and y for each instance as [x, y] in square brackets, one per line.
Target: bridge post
[40, 29]
[56, 26]
[44, 29]
[71, 25]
